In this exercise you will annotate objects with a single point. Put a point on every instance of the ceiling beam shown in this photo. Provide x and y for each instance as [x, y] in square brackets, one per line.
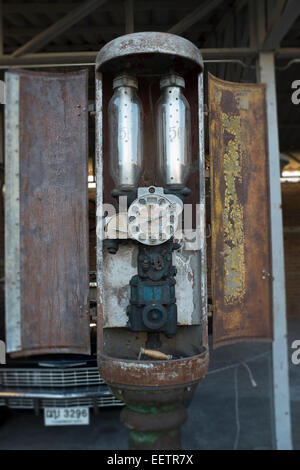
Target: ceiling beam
[63, 7]
[18, 32]
[41, 59]
[261, 21]
[224, 21]
[252, 23]
[274, 10]
[129, 16]
[57, 48]
[287, 53]
[88, 57]
[195, 16]
[282, 25]
[59, 27]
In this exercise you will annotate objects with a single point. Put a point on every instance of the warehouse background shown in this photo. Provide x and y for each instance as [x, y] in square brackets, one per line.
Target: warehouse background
[231, 33]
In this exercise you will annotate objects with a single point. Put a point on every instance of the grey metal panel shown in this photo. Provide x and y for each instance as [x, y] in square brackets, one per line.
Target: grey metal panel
[203, 270]
[99, 203]
[12, 215]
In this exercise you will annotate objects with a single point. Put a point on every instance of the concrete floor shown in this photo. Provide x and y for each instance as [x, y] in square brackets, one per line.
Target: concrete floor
[212, 423]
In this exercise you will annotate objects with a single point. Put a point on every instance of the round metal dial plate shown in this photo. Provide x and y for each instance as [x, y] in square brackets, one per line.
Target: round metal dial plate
[153, 219]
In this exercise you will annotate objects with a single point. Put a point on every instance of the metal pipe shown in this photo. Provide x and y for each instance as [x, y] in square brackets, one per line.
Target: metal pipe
[125, 118]
[77, 59]
[173, 132]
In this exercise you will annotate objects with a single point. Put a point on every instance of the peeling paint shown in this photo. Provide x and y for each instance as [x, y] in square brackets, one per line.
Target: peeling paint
[234, 253]
[240, 212]
[147, 373]
[121, 267]
[187, 287]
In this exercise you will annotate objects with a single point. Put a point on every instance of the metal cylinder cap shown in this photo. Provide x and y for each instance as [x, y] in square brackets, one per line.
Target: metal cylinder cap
[124, 79]
[150, 53]
[172, 79]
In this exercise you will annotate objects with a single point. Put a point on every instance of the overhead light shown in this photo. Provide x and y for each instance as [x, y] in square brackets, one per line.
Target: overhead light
[91, 174]
[290, 167]
[290, 176]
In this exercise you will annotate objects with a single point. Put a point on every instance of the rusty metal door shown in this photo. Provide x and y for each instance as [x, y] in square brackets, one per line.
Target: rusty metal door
[46, 213]
[241, 254]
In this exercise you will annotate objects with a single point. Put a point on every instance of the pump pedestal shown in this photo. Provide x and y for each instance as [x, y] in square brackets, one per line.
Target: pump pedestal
[155, 394]
[154, 416]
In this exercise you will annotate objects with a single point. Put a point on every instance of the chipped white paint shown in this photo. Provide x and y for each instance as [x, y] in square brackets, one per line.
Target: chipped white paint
[119, 269]
[187, 286]
[117, 272]
[149, 367]
[99, 189]
[133, 365]
[162, 375]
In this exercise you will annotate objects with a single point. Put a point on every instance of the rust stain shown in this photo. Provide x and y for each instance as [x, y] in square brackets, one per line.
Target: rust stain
[241, 247]
[122, 294]
[234, 256]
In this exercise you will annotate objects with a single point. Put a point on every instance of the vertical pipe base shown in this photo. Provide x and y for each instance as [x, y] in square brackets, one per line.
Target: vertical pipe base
[154, 416]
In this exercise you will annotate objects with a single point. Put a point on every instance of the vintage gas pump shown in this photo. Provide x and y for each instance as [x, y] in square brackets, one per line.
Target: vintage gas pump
[152, 347]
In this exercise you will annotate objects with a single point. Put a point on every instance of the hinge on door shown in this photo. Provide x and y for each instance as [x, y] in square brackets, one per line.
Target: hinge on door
[266, 275]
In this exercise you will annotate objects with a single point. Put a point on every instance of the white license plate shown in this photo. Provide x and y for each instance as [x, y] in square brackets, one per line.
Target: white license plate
[66, 416]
